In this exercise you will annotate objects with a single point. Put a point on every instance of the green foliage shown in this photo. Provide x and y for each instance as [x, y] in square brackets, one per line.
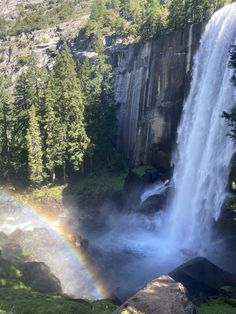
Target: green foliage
[22, 60]
[64, 116]
[155, 22]
[6, 129]
[57, 120]
[48, 192]
[91, 189]
[3, 27]
[143, 20]
[54, 147]
[29, 91]
[100, 110]
[217, 306]
[9, 270]
[17, 298]
[20, 301]
[233, 63]
[228, 289]
[231, 206]
[191, 11]
[142, 170]
[40, 16]
[34, 148]
[230, 117]
[125, 19]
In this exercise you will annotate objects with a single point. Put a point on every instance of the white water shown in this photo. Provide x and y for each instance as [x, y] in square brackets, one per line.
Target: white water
[135, 248]
[141, 247]
[203, 154]
[156, 189]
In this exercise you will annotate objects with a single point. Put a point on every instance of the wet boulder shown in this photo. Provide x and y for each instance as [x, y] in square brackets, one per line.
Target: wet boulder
[38, 276]
[161, 296]
[152, 204]
[202, 278]
[133, 187]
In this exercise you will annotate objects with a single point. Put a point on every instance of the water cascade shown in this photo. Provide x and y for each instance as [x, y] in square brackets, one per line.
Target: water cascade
[131, 247]
[203, 154]
[202, 163]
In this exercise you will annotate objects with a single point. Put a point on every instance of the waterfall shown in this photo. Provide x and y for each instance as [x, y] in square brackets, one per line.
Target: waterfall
[204, 152]
[134, 248]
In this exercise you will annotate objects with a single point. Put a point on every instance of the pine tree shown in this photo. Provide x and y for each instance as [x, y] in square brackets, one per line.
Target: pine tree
[154, 21]
[66, 138]
[85, 77]
[29, 91]
[54, 133]
[34, 148]
[6, 122]
[101, 113]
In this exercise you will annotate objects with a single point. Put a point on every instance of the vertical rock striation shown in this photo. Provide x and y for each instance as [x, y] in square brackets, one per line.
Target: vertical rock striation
[151, 81]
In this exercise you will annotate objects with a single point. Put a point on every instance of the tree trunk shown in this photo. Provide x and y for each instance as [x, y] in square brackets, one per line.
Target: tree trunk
[53, 175]
[64, 172]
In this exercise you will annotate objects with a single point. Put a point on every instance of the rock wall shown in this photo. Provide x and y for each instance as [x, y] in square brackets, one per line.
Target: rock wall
[9, 8]
[151, 81]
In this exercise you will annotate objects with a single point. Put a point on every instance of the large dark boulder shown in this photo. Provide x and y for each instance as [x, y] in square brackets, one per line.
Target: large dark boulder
[133, 187]
[201, 277]
[152, 204]
[39, 277]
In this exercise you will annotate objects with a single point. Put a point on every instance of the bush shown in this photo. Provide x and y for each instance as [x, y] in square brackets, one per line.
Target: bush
[22, 61]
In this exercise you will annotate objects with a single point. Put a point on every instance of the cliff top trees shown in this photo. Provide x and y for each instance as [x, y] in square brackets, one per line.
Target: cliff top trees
[143, 20]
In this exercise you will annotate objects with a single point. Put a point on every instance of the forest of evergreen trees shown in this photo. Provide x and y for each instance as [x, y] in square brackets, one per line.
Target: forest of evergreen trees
[56, 123]
[53, 122]
[145, 19]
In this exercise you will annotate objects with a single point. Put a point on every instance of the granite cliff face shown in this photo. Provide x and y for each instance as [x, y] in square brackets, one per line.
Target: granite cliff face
[150, 82]
[9, 8]
[44, 43]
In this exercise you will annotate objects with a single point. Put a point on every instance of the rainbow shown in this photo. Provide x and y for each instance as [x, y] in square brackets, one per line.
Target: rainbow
[76, 252]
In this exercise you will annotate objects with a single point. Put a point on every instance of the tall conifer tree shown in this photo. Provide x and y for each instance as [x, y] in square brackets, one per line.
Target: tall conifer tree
[34, 148]
[29, 91]
[6, 123]
[65, 115]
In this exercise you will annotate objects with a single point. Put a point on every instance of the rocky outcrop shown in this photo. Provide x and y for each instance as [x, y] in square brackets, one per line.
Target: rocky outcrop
[152, 205]
[9, 8]
[151, 81]
[39, 277]
[43, 43]
[201, 277]
[161, 296]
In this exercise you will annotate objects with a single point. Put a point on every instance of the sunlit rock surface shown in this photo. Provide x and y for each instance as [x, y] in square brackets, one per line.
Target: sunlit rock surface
[161, 296]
